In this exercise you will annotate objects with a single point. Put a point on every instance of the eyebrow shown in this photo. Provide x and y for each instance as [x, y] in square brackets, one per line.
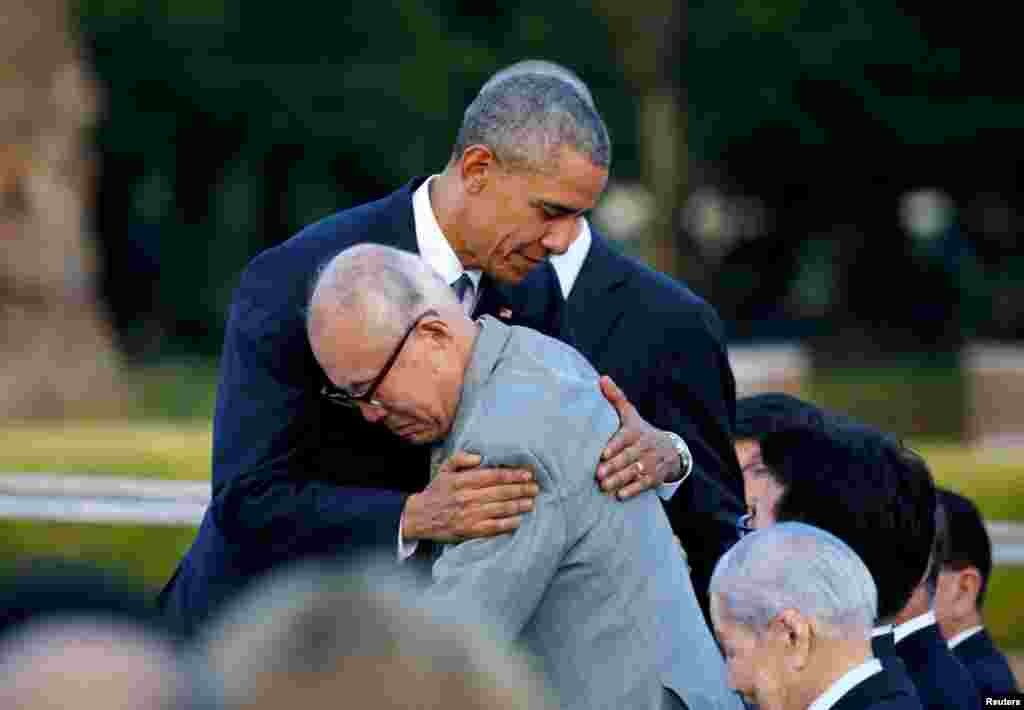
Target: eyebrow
[562, 210]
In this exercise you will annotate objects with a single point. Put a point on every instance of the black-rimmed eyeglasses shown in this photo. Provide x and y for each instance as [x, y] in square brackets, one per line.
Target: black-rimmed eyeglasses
[341, 397]
[743, 524]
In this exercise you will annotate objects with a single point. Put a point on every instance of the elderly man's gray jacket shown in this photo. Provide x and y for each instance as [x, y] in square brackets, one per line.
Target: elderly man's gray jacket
[597, 589]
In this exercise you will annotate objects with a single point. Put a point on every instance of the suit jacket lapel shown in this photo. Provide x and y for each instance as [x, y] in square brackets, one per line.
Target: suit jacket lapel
[403, 224]
[594, 308]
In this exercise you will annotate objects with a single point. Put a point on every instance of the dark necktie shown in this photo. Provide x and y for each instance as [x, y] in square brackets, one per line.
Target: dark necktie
[463, 288]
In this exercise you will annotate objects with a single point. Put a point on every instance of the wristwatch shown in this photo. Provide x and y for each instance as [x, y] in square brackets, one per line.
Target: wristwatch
[685, 459]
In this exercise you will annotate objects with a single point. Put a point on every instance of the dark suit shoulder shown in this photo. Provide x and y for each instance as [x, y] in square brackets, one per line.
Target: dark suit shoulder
[664, 293]
[276, 282]
[986, 664]
[941, 680]
[886, 690]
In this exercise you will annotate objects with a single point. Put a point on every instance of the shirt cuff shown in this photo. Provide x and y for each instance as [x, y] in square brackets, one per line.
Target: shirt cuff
[405, 549]
[668, 489]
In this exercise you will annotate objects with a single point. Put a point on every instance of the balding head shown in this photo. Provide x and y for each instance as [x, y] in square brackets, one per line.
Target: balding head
[88, 664]
[392, 338]
[793, 608]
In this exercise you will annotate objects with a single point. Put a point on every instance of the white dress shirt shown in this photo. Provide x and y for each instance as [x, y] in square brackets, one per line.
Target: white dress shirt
[438, 253]
[964, 635]
[881, 630]
[851, 679]
[901, 631]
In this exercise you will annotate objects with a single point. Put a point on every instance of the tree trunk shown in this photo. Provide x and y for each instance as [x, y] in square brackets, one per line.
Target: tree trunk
[56, 352]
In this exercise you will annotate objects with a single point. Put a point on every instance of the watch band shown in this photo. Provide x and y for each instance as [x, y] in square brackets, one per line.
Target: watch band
[685, 458]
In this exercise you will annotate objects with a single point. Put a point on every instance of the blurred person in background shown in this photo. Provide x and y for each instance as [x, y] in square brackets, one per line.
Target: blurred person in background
[666, 348]
[91, 663]
[318, 638]
[757, 416]
[585, 582]
[942, 681]
[295, 475]
[793, 607]
[960, 597]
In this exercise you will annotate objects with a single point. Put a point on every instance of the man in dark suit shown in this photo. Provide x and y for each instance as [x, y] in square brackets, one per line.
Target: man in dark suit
[793, 607]
[665, 348]
[296, 476]
[942, 681]
[960, 597]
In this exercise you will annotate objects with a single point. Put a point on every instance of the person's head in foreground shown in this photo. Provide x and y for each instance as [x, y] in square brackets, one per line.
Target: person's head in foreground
[90, 663]
[391, 336]
[963, 578]
[868, 490]
[318, 638]
[793, 607]
[532, 155]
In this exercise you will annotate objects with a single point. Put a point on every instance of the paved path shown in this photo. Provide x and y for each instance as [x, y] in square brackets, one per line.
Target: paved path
[112, 499]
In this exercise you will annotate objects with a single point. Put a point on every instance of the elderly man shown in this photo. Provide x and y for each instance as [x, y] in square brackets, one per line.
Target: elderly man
[793, 608]
[294, 475]
[594, 587]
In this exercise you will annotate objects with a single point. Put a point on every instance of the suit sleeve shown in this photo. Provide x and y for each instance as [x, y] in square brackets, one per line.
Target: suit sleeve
[504, 577]
[272, 487]
[696, 398]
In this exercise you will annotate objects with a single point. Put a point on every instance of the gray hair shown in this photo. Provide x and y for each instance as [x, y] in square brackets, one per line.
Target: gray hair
[386, 286]
[801, 567]
[543, 68]
[321, 629]
[527, 119]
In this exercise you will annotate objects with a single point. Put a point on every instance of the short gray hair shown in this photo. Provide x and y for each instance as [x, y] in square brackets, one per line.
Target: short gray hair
[319, 628]
[527, 119]
[543, 68]
[387, 286]
[801, 567]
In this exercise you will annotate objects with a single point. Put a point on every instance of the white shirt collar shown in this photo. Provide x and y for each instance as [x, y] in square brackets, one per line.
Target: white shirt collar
[846, 683]
[568, 265]
[964, 635]
[881, 630]
[434, 248]
[901, 631]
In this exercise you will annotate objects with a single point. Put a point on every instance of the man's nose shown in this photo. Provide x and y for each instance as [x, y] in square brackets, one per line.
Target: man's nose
[561, 235]
[371, 412]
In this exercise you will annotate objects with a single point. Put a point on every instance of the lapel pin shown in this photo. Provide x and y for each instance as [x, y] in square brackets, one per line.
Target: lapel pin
[505, 313]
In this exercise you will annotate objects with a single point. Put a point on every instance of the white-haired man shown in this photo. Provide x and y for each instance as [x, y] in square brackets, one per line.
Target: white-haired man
[793, 607]
[595, 588]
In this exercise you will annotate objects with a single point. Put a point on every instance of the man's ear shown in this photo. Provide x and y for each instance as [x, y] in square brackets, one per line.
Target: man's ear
[477, 163]
[794, 631]
[968, 587]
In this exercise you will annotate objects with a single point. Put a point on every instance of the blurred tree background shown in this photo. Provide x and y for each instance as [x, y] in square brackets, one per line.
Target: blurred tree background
[839, 173]
[838, 170]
